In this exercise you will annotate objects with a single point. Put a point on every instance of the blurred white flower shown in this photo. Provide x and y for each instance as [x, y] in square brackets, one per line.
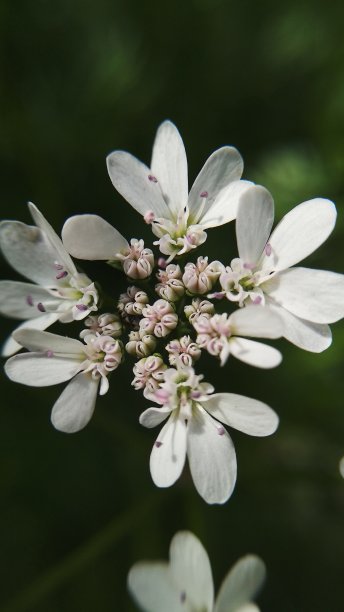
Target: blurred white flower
[61, 293]
[160, 193]
[305, 299]
[54, 359]
[341, 467]
[185, 584]
[193, 429]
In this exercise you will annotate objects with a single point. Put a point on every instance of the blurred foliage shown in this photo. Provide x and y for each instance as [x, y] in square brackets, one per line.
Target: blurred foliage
[79, 79]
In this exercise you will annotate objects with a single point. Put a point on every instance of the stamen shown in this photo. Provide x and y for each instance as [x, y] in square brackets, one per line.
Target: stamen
[268, 249]
[41, 307]
[29, 300]
[149, 217]
[183, 597]
[162, 263]
[49, 353]
[195, 394]
[257, 300]
[58, 266]
[61, 275]
[248, 266]
[81, 307]
[158, 444]
[152, 178]
[221, 431]
[204, 194]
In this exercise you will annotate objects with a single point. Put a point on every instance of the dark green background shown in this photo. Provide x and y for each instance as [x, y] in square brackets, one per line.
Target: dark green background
[79, 79]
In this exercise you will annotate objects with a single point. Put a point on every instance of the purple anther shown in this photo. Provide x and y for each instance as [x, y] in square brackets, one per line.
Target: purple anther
[158, 444]
[257, 300]
[152, 178]
[149, 217]
[221, 431]
[183, 597]
[218, 295]
[81, 307]
[61, 275]
[196, 394]
[49, 353]
[162, 263]
[29, 300]
[204, 194]
[248, 266]
[268, 249]
[41, 307]
[58, 266]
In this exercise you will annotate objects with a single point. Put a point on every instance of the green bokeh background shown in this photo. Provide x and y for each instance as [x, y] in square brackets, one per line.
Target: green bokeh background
[79, 79]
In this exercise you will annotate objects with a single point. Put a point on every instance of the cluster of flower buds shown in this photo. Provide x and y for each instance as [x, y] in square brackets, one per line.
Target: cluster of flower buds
[137, 262]
[149, 373]
[170, 285]
[184, 349]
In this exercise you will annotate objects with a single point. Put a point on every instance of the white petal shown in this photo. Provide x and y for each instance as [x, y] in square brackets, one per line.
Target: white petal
[131, 179]
[191, 571]
[14, 300]
[223, 166]
[154, 416]
[254, 222]
[153, 589]
[45, 320]
[61, 254]
[211, 457]
[29, 252]
[243, 413]
[314, 337]
[313, 295]
[38, 370]
[76, 404]
[225, 207]
[257, 322]
[254, 353]
[91, 237]
[168, 454]
[35, 340]
[169, 166]
[300, 233]
[241, 585]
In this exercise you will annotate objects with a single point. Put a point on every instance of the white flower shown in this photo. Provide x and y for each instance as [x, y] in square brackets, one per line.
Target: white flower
[92, 238]
[61, 293]
[185, 584]
[305, 299]
[193, 429]
[221, 335]
[160, 193]
[54, 359]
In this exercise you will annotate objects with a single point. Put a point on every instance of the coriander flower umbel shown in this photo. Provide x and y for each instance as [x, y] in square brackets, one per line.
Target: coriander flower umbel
[160, 193]
[54, 359]
[61, 293]
[185, 584]
[305, 299]
[193, 429]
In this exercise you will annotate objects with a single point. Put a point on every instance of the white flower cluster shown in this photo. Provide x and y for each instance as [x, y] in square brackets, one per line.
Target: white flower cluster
[174, 309]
